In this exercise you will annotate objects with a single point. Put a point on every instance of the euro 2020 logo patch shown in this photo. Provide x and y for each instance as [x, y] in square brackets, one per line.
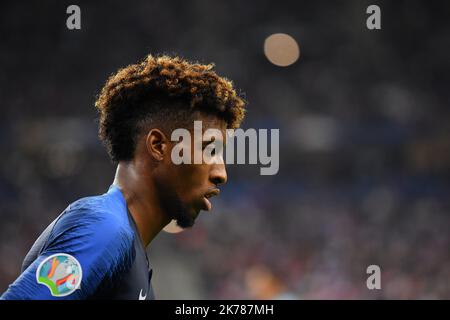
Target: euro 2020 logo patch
[61, 273]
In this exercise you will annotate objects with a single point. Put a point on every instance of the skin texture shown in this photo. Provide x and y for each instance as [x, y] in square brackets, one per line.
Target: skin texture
[157, 191]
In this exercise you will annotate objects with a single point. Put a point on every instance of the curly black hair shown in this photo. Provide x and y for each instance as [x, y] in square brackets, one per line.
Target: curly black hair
[161, 88]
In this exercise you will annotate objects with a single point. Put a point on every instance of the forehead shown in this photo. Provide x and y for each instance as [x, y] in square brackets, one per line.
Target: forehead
[210, 121]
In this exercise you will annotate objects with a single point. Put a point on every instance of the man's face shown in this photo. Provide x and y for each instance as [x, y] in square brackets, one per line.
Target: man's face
[186, 188]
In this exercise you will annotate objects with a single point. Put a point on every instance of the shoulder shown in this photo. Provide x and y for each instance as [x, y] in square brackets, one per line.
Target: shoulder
[96, 220]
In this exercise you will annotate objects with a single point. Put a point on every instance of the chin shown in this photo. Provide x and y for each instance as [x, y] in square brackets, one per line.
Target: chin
[186, 219]
[185, 224]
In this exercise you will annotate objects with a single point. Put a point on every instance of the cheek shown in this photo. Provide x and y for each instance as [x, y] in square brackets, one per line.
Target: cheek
[190, 180]
[184, 178]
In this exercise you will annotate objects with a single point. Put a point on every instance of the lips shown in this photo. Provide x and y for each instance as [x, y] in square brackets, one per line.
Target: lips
[211, 193]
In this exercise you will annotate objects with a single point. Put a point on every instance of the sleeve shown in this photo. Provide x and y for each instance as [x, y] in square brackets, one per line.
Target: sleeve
[84, 250]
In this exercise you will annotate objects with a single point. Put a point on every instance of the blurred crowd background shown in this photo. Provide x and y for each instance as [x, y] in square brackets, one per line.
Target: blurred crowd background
[364, 123]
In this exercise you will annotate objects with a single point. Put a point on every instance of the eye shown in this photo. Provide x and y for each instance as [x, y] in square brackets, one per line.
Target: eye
[213, 148]
[210, 146]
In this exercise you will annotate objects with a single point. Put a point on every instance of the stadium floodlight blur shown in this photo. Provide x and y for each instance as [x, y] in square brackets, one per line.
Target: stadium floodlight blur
[281, 49]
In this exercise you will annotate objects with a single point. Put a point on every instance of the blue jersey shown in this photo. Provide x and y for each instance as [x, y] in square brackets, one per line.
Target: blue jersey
[91, 251]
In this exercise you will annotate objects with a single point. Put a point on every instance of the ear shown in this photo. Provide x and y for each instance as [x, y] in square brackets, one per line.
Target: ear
[157, 144]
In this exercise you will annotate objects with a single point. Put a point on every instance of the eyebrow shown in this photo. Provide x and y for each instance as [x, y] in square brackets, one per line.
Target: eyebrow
[206, 142]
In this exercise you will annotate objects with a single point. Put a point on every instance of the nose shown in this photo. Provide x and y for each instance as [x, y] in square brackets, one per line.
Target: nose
[218, 174]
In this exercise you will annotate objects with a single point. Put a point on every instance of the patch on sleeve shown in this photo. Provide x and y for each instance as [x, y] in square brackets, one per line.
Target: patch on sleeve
[61, 273]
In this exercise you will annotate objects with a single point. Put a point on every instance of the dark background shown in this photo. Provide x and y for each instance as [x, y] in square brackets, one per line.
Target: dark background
[364, 141]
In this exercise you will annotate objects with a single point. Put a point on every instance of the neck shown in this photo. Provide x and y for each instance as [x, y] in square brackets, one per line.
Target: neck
[140, 196]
